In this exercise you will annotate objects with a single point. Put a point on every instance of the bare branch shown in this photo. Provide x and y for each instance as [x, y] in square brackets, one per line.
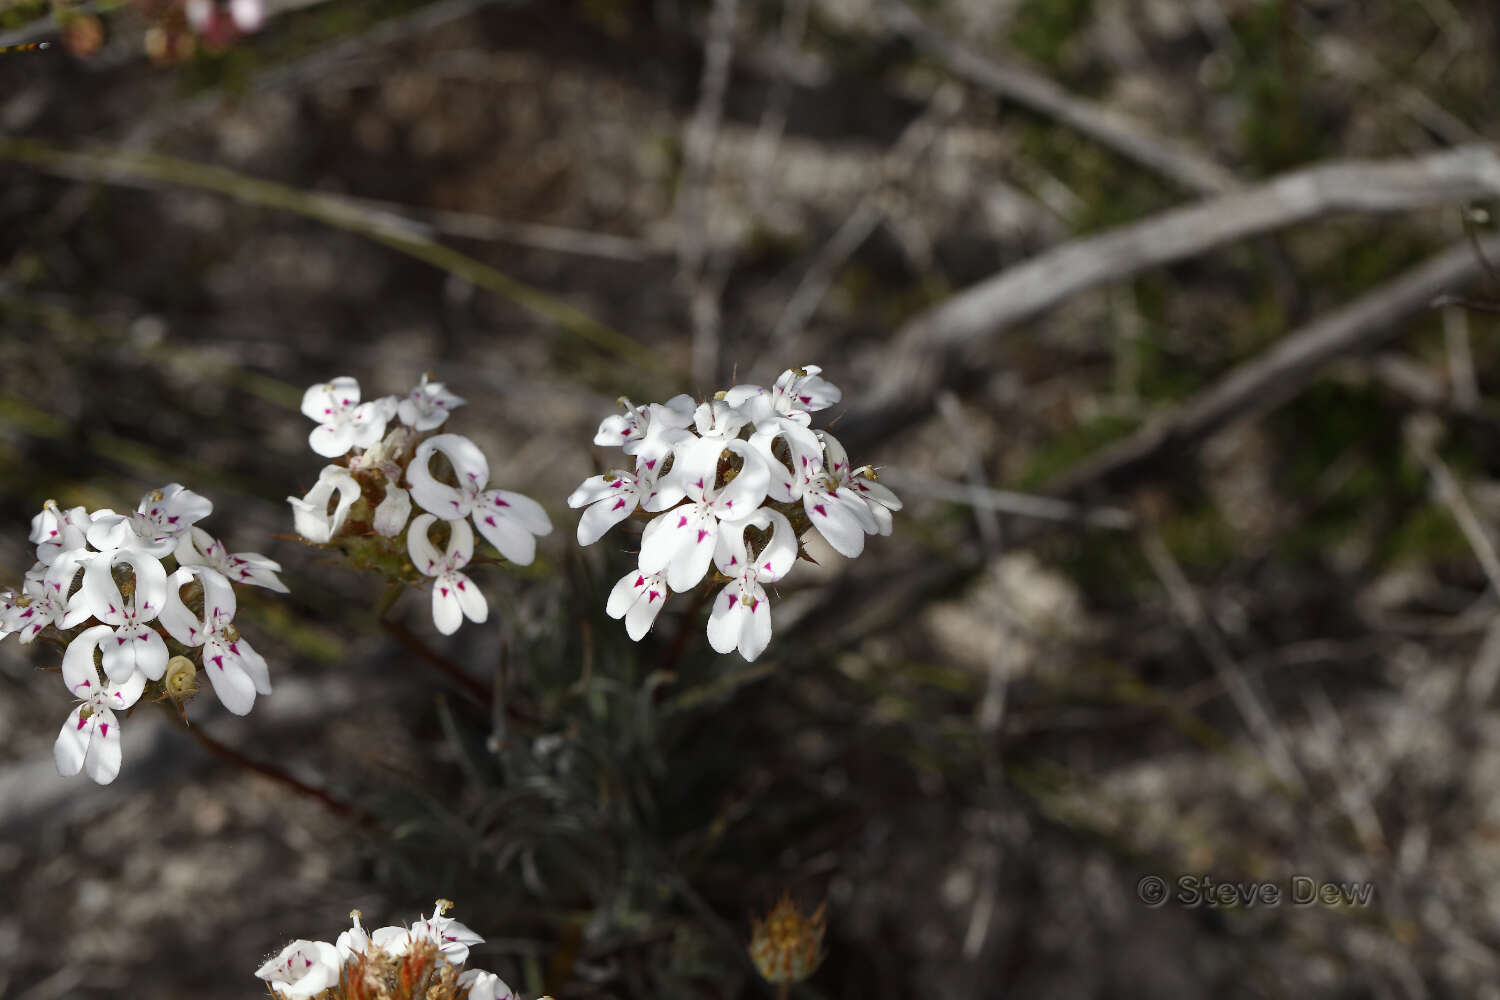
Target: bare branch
[926, 349]
[1266, 382]
[1008, 501]
[1131, 139]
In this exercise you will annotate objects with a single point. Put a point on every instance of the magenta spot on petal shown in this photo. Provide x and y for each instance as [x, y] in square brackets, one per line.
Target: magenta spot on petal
[734, 560]
[455, 504]
[804, 461]
[119, 640]
[732, 600]
[491, 521]
[87, 684]
[702, 533]
[234, 648]
[652, 595]
[728, 504]
[103, 729]
[754, 603]
[625, 432]
[618, 504]
[82, 722]
[444, 590]
[700, 482]
[500, 503]
[651, 464]
[53, 533]
[805, 399]
[327, 409]
[768, 565]
[640, 581]
[819, 508]
[112, 609]
[460, 585]
[680, 522]
[219, 662]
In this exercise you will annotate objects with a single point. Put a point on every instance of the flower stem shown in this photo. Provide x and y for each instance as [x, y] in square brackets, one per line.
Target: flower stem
[276, 774]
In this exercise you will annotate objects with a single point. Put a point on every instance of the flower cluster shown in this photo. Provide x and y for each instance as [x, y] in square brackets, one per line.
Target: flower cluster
[143, 602]
[383, 453]
[422, 962]
[733, 482]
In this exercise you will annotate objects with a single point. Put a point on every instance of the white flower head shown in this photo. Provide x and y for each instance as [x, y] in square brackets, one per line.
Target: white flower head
[452, 938]
[55, 531]
[199, 548]
[508, 521]
[34, 609]
[427, 406]
[485, 986]
[880, 500]
[392, 513]
[454, 596]
[90, 738]
[741, 616]
[235, 670]
[303, 969]
[310, 514]
[163, 516]
[343, 421]
[638, 598]
[354, 941]
[682, 540]
[132, 645]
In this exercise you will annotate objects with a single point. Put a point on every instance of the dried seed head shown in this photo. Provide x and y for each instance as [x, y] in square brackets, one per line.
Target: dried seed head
[787, 946]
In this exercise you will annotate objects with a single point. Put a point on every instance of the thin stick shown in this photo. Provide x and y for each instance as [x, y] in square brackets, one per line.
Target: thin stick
[1190, 611]
[1131, 139]
[929, 348]
[1261, 384]
[470, 685]
[1009, 501]
[276, 774]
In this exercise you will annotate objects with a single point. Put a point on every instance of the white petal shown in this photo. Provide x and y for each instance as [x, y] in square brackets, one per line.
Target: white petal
[665, 536]
[73, 742]
[78, 669]
[253, 664]
[691, 561]
[474, 606]
[109, 531]
[232, 685]
[745, 492]
[469, 466]
[837, 521]
[134, 648]
[642, 614]
[331, 440]
[447, 611]
[424, 555]
[727, 619]
[779, 553]
[602, 516]
[485, 986]
[522, 509]
[390, 516]
[757, 632]
[502, 531]
[321, 401]
[101, 761]
[629, 587]
[176, 617]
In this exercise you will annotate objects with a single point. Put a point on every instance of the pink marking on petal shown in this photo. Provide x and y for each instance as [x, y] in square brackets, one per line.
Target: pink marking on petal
[640, 581]
[682, 520]
[491, 521]
[754, 603]
[82, 722]
[500, 503]
[652, 595]
[732, 599]
[119, 640]
[768, 565]
[805, 399]
[651, 464]
[734, 560]
[444, 590]
[219, 662]
[819, 508]
[173, 520]
[234, 648]
[460, 585]
[103, 729]
[618, 504]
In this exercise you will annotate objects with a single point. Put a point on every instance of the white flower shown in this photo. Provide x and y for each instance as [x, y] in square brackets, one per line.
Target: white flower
[310, 514]
[90, 738]
[454, 595]
[236, 671]
[637, 598]
[428, 405]
[248, 15]
[741, 615]
[612, 497]
[619, 429]
[508, 521]
[796, 392]
[392, 512]
[162, 517]
[354, 941]
[55, 532]
[132, 646]
[484, 986]
[665, 425]
[878, 498]
[37, 607]
[199, 548]
[343, 421]
[303, 969]
[682, 540]
[719, 420]
[839, 513]
[452, 938]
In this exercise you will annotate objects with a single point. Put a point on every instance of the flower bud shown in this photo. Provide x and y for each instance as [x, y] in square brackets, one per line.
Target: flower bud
[787, 947]
[180, 679]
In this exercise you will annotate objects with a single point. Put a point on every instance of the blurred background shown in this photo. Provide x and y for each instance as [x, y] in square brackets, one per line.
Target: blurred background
[1170, 321]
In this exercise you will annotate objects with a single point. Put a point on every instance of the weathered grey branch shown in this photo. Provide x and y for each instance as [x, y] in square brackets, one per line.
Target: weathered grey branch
[1132, 139]
[1264, 383]
[927, 348]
